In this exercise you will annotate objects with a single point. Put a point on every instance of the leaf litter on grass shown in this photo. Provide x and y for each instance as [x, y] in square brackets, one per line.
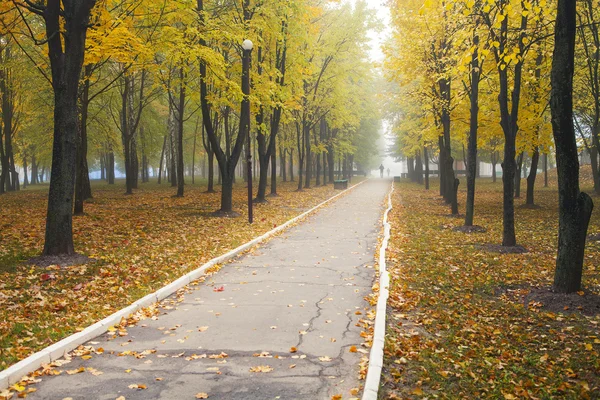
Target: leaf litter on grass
[461, 324]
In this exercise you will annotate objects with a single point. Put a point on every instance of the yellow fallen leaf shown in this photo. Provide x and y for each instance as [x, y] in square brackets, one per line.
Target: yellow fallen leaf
[201, 395]
[121, 398]
[293, 349]
[86, 357]
[75, 371]
[417, 391]
[261, 368]
[354, 391]
[336, 397]
[352, 349]
[589, 347]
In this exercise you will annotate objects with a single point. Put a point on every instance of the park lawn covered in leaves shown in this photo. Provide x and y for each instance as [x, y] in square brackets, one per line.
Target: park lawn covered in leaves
[139, 243]
[460, 322]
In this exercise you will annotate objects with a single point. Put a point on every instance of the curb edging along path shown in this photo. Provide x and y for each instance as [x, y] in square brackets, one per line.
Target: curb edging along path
[371, 389]
[16, 372]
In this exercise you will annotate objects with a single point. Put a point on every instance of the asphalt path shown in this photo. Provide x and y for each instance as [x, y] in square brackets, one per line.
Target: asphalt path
[281, 322]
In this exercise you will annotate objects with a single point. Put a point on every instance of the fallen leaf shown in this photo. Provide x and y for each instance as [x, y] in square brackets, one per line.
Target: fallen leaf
[261, 368]
[201, 395]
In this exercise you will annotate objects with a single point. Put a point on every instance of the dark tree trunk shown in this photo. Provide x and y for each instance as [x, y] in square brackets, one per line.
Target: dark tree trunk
[545, 169]
[283, 164]
[111, 167]
[532, 175]
[7, 181]
[291, 166]
[426, 157]
[519, 175]
[180, 119]
[307, 153]
[494, 162]
[473, 126]
[102, 166]
[162, 158]
[34, 171]
[418, 168]
[273, 192]
[66, 63]
[575, 207]
[82, 170]
[25, 180]
[331, 161]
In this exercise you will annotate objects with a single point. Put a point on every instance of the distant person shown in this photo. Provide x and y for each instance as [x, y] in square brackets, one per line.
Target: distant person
[388, 171]
[381, 170]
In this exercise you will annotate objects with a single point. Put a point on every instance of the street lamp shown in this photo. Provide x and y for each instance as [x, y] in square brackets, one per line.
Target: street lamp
[245, 116]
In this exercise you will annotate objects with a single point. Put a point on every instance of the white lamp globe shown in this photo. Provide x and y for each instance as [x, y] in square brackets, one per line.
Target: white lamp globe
[247, 44]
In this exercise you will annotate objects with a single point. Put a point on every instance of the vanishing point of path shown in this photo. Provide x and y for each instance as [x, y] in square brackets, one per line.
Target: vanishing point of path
[304, 289]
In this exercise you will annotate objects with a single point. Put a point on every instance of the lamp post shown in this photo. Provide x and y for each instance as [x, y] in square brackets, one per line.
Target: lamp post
[245, 116]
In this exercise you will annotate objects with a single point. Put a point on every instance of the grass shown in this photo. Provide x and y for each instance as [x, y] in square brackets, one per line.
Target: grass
[139, 243]
[461, 321]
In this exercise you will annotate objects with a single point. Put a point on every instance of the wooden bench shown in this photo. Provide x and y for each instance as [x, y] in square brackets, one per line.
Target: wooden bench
[340, 184]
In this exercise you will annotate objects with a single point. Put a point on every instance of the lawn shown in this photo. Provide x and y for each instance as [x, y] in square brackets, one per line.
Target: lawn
[466, 322]
[139, 243]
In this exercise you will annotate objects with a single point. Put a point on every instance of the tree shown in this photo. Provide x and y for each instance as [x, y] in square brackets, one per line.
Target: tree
[69, 22]
[575, 207]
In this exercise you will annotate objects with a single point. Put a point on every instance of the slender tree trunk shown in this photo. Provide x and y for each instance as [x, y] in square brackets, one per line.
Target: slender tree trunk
[111, 166]
[531, 177]
[545, 169]
[575, 207]
[25, 180]
[162, 158]
[308, 155]
[426, 157]
[291, 166]
[473, 126]
[273, 168]
[519, 174]
[180, 120]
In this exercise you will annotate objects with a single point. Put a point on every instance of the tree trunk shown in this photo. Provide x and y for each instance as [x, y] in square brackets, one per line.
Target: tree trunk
[575, 207]
[426, 157]
[180, 120]
[66, 63]
[162, 158]
[519, 174]
[111, 167]
[532, 175]
[307, 153]
[545, 169]
[473, 126]
[291, 166]
[273, 168]
[82, 146]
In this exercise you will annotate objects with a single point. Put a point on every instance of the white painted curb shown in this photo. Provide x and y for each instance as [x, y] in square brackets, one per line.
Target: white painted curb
[16, 372]
[376, 357]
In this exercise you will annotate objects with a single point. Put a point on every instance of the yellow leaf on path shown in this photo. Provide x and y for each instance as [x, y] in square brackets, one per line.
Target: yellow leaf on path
[261, 368]
[75, 371]
[293, 350]
[86, 357]
[137, 386]
[18, 388]
[292, 366]
[336, 397]
[352, 349]
[354, 391]
[121, 398]
[325, 358]
[201, 395]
